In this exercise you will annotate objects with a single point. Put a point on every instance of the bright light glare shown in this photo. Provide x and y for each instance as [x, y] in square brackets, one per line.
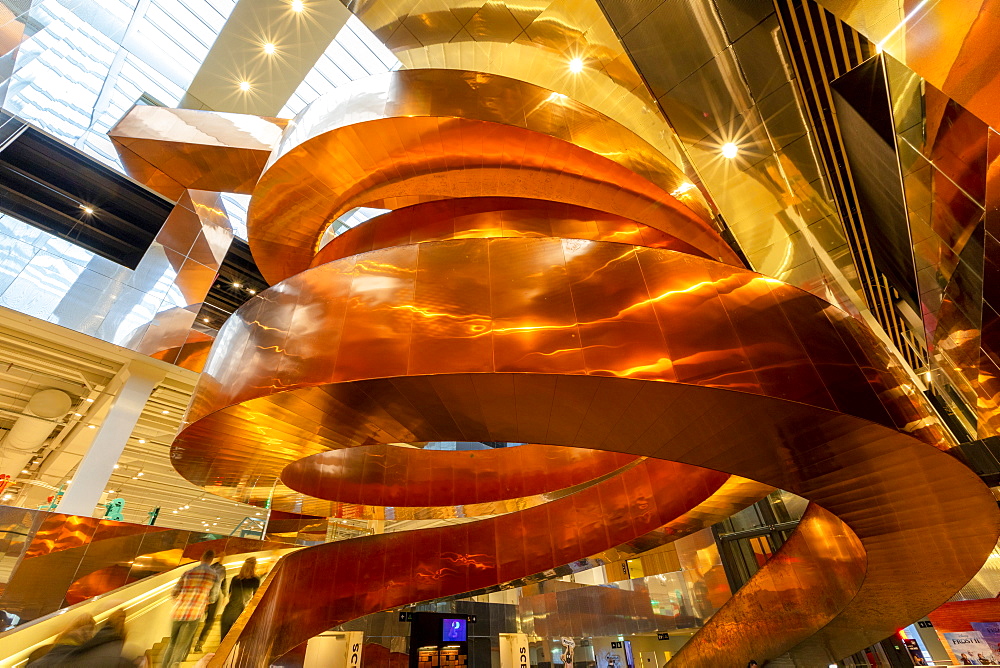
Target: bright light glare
[298, 5]
[270, 48]
[245, 86]
[89, 210]
[730, 150]
[576, 65]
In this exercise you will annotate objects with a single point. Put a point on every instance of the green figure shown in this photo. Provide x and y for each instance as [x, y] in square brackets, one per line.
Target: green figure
[113, 510]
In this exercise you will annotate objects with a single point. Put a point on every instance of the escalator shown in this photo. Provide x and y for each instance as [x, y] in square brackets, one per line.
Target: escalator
[147, 604]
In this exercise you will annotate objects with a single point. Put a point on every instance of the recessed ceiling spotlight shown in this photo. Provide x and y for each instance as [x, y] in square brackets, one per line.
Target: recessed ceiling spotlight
[142, 440]
[139, 474]
[253, 292]
[89, 400]
[576, 65]
[245, 86]
[237, 285]
[91, 426]
[297, 5]
[730, 150]
[89, 210]
[166, 412]
[270, 48]
[204, 319]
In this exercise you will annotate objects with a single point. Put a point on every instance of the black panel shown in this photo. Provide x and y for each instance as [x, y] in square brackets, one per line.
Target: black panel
[238, 281]
[861, 99]
[46, 183]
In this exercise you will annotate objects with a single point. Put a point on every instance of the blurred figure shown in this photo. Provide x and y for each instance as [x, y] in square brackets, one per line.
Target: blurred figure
[191, 595]
[213, 605]
[241, 589]
[80, 646]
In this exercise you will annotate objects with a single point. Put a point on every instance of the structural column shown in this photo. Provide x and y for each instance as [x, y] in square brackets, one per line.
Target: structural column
[94, 472]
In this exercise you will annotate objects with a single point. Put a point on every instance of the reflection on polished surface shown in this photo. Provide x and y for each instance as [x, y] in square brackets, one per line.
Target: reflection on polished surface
[549, 273]
[415, 135]
[65, 558]
[388, 475]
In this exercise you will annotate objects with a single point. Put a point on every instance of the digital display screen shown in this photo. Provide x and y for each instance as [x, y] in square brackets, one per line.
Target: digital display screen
[454, 630]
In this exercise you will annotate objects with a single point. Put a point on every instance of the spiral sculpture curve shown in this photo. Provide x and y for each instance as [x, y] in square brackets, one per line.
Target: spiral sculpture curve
[491, 306]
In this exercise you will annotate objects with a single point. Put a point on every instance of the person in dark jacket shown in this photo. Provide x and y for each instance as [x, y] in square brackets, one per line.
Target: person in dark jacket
[79, 646]
[241, 589]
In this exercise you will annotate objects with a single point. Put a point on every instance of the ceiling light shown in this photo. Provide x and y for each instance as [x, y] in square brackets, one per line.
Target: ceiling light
[204, 319]
[270, 48]
[237, 285]
[89, 210]
[297, 5]
[245, 86]
[253, 292]
[116, 466]
[142, 440]
[89, 400]
[174, 512]
[8, 497]
[730, 150]
[166, 412]
[78, 414]
[24, 470]
[139, 473]
[576, 65]
[91, 426]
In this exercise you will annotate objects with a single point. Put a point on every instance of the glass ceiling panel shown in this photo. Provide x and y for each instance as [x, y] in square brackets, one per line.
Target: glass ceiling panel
[354, 54]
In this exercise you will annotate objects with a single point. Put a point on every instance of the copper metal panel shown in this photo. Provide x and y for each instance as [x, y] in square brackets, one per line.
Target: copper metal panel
[826, 454]
[392, 476]
[171, 150]
[450, 560]
[618, 172]
[488, 217]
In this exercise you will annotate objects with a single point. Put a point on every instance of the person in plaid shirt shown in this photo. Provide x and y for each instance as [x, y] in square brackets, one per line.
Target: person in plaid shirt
[191, 595]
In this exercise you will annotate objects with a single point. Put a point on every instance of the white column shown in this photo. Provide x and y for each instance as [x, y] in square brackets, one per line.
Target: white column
[94, 472]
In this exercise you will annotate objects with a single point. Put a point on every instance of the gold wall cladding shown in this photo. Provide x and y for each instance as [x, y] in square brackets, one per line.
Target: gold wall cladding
[947, 157]
[950, 43]
[439, 133]
[720, 74]
[532, 41]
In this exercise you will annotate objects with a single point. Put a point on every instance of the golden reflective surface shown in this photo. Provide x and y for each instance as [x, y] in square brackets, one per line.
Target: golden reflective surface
[565, 368]
[171, 150]
[438, 134]
[531, 41]
[489, 217]
[389, 475]
[950, 43]
[532, 306]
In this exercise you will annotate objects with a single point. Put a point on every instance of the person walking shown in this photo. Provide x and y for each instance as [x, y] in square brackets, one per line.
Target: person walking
[79, 646]
[191, 595]
[213, 606]
[241, 589]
